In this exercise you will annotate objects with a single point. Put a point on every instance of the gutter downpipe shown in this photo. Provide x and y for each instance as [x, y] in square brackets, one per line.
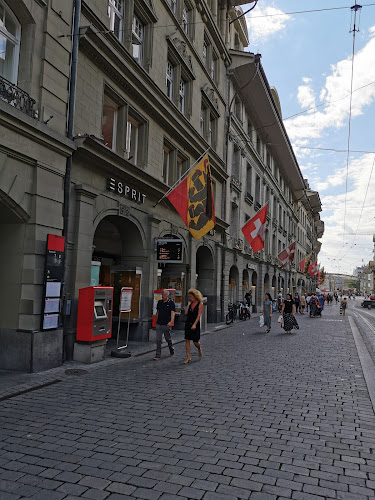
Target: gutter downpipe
[69, 339]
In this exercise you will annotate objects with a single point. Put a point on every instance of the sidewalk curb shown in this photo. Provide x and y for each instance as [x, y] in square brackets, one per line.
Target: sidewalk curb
[367, 363]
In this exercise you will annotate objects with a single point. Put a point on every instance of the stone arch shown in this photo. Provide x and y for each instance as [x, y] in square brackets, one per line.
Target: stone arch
[118, 244]
[233, 284]
[245, 281]
[266, 283]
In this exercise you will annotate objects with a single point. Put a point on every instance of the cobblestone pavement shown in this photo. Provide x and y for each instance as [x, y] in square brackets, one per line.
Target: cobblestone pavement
[261, 416]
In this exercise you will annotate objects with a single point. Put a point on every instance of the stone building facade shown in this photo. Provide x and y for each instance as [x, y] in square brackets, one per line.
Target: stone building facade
[158, 84]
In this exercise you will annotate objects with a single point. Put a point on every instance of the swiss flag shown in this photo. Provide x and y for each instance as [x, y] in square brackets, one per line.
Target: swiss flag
[314, 268]
[255, 229]
[287, 255]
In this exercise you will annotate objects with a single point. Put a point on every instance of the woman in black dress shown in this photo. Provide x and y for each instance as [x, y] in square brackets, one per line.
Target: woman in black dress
[193, 311]
[288, 311]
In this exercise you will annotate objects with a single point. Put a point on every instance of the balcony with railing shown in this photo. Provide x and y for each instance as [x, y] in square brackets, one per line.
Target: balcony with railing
[17, 97]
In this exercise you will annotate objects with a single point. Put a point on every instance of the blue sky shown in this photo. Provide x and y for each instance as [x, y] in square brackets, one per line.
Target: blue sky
[307, 57]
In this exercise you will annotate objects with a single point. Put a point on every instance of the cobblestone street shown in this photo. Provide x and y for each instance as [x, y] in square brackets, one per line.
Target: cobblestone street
[261, 416]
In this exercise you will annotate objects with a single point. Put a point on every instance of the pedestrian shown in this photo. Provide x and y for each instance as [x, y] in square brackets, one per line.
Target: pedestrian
[267, 311]
[308, 303]
[193, 311]
[248, 296]
[303, 303]
[297, 302]
[321, 300]
[165, 313]
[288, 311]
[344, 305]
[313, 305]
[279, 300]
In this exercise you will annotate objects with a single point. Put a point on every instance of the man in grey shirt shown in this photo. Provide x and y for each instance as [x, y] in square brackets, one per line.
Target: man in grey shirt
[165, 313]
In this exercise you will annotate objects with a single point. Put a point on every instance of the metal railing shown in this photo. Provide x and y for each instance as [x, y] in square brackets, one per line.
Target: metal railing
[17, 97]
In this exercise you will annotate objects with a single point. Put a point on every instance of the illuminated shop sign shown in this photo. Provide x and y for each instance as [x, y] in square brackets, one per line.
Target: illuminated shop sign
[125, 191]
[169, 250]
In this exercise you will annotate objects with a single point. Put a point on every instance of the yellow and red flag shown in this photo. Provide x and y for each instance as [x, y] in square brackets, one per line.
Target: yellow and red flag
[304, 264]
[193, 199]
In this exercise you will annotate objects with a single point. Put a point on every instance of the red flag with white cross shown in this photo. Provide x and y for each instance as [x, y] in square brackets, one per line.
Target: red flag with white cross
[287, 255]
[255, 229]
[314, 268]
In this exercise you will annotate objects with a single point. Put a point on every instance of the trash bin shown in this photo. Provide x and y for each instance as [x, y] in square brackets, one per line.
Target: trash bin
[204, 316]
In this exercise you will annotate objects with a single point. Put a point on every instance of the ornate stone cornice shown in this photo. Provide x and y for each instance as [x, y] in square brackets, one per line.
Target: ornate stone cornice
[181, 48]
[210, 95]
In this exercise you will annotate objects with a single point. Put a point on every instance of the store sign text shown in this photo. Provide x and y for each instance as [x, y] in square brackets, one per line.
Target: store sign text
[122, 189]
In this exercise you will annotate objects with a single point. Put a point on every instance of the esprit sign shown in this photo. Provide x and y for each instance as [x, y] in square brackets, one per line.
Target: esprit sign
[125, 191]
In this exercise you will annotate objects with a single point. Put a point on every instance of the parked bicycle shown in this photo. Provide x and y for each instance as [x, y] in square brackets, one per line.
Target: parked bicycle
[244, 311]
[231, 314]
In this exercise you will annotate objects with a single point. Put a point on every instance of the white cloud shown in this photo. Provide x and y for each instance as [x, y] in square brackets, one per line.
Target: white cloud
[345, 251]
[306, 96]
[263, 28]
[336, 86]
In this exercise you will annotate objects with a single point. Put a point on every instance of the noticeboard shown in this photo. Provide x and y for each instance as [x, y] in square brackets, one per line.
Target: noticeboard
[169, 251]
[126, 299]
[53, 278]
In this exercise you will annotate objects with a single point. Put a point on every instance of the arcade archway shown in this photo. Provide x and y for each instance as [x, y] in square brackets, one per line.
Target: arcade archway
[233, 284]
[118, 258]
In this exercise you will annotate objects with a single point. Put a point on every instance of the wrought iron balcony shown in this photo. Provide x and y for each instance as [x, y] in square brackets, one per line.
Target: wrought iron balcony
[16, 97]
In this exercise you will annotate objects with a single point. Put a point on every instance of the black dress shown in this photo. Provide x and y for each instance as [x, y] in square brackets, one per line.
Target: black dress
[191, 316]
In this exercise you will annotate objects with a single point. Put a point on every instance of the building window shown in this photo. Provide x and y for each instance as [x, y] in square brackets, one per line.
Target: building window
[205, 53]
[214, 67]
[169, 80]
[259, 145]
[250, 130]
[202, 121]
[185, 19]
[124, 130]
[137, 39]
[116, 16]
[257, 190]
[238, 108]
[109, 122]
[208, 125]
[174, 6]
[182, 96]
[10, 37]
[249, 174]
[174, 164]
[236, 162]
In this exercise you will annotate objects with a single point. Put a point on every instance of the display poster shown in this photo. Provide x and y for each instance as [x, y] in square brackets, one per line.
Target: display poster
[50, 321]
[126, 299]
[51, 305]
[178, 283]
[53, 289]
[127, 279]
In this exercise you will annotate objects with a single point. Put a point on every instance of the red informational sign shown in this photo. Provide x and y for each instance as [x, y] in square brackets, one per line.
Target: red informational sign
[55, 242]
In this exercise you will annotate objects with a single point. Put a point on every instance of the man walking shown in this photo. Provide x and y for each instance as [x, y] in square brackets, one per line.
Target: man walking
[165, 312]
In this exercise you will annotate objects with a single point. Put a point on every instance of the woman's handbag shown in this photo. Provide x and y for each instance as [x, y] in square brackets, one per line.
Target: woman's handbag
[261, 321]
[280, 319]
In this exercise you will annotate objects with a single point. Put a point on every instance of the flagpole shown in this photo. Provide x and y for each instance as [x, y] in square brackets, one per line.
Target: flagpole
[182, 177]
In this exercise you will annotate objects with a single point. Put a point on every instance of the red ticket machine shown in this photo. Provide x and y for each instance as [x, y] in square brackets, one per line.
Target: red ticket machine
[94, 321]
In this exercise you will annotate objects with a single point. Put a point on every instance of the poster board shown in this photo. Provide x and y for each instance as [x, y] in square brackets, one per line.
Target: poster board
[128, 279]
[126, 299]
[53, 278]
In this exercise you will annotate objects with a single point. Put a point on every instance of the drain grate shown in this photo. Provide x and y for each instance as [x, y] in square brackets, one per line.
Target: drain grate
[76, 371]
